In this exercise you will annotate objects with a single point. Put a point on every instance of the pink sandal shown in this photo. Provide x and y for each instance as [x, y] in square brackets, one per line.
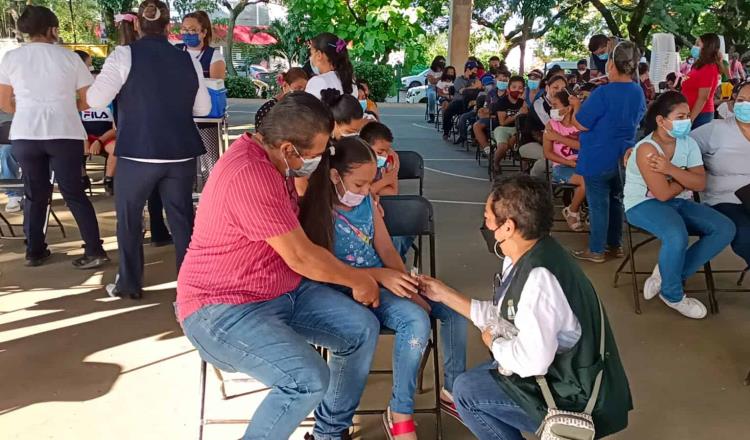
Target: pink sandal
[393, 430]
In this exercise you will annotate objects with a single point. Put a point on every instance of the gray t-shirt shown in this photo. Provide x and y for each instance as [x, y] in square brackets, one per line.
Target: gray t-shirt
[461, 82]
[725, 155]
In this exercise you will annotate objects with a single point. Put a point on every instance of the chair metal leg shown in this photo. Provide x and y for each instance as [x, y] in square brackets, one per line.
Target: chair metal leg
[436, 367]
[634, 276]
[747, 379]
[422, 366]
[57, 220]
[222, 385]
[713, 305]
[10, 227]
[742, 276]
[202, 399]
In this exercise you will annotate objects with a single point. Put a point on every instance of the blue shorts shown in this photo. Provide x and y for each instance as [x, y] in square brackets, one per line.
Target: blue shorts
[562, 173]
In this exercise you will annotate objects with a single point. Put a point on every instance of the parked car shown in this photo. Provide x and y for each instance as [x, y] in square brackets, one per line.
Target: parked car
[416, 95]
[415, 80]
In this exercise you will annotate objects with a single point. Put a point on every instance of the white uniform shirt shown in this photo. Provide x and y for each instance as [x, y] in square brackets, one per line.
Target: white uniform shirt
[114, 75]
[546, 325]
[45, 78]
[215, 58]
[328, 80]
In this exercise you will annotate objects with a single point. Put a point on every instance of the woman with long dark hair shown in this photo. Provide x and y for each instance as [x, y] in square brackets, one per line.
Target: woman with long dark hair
[196, 39]
[699, 86]
[661, 174]
[44, 86]
[329, 60]
[158, 88]
[433, 76]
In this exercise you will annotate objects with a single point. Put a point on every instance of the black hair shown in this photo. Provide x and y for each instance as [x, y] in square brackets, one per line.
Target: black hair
[626, 56]
[335, 50]
[553, 79]
[504, 72]
[672, 76]
[446, 76]
[37, 21]
[643, 68]
[83, 54]
[582, 62]
[525, 200]
[597, 41]
[738, 88]
[294, 74]
[344, 108]
[494, 58]
[205, 21]
[153, 17]
[662, 106]
[438, 63]
[516, 78]
[375, 131]
[316, 209]
[563, 97]
[310, 115]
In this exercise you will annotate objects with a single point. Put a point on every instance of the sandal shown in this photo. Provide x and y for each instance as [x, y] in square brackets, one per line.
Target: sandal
[449, 407]
[392, 430]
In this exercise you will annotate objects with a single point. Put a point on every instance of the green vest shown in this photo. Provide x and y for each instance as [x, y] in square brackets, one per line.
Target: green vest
[571, 375]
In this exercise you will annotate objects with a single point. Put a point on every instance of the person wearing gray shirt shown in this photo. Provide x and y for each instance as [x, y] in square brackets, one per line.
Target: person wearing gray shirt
[725, 144]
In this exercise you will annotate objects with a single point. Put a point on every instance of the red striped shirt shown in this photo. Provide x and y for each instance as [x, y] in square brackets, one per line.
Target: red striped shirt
[245, 202]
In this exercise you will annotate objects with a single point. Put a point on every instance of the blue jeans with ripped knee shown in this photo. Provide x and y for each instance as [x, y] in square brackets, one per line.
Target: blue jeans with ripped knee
[412, 326]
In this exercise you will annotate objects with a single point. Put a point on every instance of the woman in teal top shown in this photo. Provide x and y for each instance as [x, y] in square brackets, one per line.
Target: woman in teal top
[339, 214]
[661, 174]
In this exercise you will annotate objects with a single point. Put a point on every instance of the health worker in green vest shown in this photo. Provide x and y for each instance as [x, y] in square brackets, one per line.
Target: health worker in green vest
[544, 321]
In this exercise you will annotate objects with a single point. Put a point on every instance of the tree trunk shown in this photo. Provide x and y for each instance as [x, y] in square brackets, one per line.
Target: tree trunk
[230, 44]
[528, 22]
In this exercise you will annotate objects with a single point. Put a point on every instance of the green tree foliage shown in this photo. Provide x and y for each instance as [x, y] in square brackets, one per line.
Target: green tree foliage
[184, 7]
[378, 76]
[376, 28]
[79, 27]
[569, 38]
[290, 42]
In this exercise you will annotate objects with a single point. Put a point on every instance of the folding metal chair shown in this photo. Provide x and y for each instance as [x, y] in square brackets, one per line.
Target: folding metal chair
[411, 167]
[17, 184]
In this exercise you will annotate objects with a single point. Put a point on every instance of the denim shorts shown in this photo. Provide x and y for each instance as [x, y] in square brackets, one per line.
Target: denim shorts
[562, 173]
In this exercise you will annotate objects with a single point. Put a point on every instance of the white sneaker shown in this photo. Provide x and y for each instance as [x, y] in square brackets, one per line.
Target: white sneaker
[652, 287]
[486, 151]
[689, 307]
[14, 204]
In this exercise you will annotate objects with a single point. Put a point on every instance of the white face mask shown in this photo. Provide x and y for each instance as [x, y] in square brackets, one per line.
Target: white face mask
[555, 115]
[308, 166]
[350, 199]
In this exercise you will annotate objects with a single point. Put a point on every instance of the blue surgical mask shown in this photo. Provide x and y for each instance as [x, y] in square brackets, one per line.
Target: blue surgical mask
[695, 52]
[742, 112]
[502, 85]
[533, 84]
[363, 104]
[308, 166]
[314, 68]
[191, 40]
[382, 161]
[603, 56]
[680, 128]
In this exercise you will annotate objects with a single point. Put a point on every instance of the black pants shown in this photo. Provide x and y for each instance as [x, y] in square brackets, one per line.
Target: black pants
[159, 231]
[134, 183]
[455, 108]
[63, 156]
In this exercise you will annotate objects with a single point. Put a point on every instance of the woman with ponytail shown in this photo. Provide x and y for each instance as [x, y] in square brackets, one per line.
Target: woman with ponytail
[699, 85]
[329, 60]
[196, 40]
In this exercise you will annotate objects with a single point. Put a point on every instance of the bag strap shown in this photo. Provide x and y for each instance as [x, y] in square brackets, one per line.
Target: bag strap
[547, 393]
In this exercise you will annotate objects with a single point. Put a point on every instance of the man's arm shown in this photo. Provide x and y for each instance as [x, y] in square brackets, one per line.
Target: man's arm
[313, 262]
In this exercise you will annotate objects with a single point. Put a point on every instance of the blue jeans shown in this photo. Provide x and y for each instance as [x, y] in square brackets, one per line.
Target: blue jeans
[403, 244]
[486, 409]
[465, 121]
[741, 220]
[431, 100]
[270, 341]
[604, 196]
[9, 169]
[703, 119]
[672, 222]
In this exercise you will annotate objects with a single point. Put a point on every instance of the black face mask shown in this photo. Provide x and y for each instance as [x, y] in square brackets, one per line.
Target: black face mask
[489, 238]
[473, 76]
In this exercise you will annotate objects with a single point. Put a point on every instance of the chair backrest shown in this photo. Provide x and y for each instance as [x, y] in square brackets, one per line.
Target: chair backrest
[412, 165]
[408, 215]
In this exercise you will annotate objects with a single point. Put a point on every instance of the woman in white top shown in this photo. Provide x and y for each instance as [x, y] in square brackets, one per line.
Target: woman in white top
[42, 83]
[196, 39]
[329, 60]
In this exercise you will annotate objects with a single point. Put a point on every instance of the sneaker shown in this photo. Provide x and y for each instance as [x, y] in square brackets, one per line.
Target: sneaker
[14, 204]
[109, 185]
[652, 286]
[90, 262]
[38, 261]
[486, 151]
[614, 252]
[689, 307]
[587, 255]
[573, 219]
[114, 291]
[162, 243]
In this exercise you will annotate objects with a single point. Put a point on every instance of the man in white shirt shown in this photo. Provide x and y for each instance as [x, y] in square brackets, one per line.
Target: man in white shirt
[544, 320]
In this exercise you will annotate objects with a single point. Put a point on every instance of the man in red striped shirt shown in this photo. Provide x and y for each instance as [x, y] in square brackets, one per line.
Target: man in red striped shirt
[245, 296]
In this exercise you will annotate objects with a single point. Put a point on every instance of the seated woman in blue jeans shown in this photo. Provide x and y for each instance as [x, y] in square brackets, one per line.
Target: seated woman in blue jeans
[662, 172]
[339, 214]
[724, 144]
